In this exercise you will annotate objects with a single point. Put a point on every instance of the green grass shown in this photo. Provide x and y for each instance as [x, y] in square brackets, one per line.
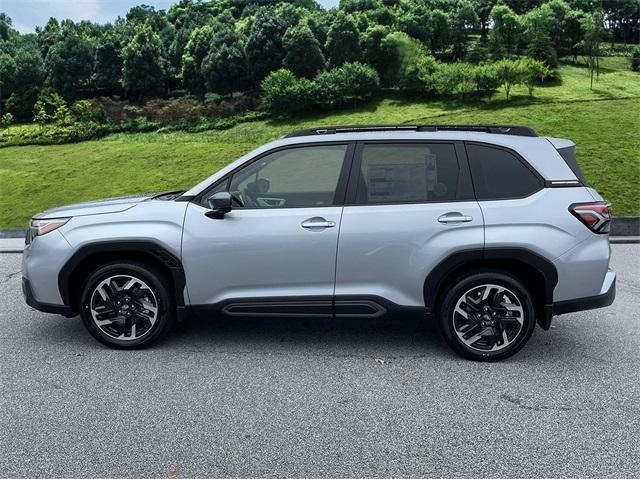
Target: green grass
[604, 123]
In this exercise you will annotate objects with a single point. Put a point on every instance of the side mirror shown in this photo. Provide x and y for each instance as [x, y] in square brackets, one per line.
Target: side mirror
[220, 204]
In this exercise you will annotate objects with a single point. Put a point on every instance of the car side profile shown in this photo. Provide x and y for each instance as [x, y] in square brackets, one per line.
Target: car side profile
[487, 229]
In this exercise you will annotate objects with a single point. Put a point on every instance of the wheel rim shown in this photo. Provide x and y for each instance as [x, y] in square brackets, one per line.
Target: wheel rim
[488, 317]
[124, 307]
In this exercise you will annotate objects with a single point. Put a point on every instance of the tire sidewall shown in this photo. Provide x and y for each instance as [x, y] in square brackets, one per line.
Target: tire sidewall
[153, 279]
[459, 288]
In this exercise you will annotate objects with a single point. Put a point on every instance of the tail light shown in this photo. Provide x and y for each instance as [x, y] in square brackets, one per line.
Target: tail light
[595, 216]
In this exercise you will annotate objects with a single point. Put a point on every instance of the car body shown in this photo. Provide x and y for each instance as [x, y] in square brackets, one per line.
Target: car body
[347, 222]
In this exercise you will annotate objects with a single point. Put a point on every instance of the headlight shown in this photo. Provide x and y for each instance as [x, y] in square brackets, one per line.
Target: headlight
[41, 227]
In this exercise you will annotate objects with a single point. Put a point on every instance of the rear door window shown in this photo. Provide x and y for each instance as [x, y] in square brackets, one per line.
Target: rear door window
[407, 173]
[500, 174]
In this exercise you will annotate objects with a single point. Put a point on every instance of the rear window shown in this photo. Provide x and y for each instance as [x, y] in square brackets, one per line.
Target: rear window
[568, 154]
[500, 174]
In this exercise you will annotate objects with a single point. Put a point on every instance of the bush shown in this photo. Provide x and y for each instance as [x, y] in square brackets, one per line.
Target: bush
[83, 110]
[486, 79]
[351, 83]
[454, 79]
[635, 59]
[6, 120]
[509, 74]
[180, 110]
[49, 107]
[283, 92]
[532, 72]
[418, 77]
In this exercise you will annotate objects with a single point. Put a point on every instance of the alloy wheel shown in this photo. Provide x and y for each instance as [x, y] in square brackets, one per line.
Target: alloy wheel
[124, 307]
[488, 317]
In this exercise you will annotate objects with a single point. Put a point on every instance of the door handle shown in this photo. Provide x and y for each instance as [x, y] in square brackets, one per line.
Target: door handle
[317, 222]
[454, 217]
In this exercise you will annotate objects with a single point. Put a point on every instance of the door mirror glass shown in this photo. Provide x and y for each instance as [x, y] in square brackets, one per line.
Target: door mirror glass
[220, 203]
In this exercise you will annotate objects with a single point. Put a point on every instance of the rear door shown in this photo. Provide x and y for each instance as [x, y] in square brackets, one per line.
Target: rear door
[409, 205]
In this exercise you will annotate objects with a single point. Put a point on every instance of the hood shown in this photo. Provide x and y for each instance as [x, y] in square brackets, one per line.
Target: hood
[111, 205]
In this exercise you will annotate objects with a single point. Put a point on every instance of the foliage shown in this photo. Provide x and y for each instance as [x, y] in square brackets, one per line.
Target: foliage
[225, 67]
[144, 64]
[635, 59]
[533, 72]
[509, 73]
[343, 43]
[69, 64]
[6, 120]
[303, 55]
[505, 34]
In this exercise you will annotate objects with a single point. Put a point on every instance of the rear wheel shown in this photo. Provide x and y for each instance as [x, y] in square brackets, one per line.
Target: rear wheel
[487, 316]
[127, 305]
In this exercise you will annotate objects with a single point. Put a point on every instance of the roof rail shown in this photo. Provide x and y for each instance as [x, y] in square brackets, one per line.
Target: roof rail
[499, 129]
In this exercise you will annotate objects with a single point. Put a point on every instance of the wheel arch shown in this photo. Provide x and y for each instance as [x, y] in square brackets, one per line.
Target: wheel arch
[90, 256]
[538, 274]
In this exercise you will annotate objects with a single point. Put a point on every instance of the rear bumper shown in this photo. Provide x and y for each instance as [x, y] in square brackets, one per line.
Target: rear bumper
[605, 298]
[44, 307]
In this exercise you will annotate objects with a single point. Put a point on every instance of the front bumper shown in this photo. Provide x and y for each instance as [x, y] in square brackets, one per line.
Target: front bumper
[44, 307]
[604, 298]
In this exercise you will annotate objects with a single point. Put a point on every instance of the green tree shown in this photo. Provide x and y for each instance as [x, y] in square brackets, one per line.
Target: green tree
[144, 64]
[509, 74]
[7, 74]
[505, 34]
[538, 24]
[374, 53]
[343, 43]
[264, 45]
[533, 72]
[108, 64]
[303, 53]
[593, 34]
[225, 67]
[283, 92]
[195, 52]
[463, 20]
[69, 65]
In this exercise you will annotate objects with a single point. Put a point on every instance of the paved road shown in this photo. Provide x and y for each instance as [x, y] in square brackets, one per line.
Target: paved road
[290, 398]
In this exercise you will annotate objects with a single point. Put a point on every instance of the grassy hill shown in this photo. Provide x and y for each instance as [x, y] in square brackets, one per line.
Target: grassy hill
[604, 123]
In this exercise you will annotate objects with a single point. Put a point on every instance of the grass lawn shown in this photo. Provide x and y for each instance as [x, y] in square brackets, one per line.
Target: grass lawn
[604, 123]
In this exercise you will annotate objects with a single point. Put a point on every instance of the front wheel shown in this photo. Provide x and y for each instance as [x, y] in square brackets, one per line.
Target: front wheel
[127, 305]
[487, 316]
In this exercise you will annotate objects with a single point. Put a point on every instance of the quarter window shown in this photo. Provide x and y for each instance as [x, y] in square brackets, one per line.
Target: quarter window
[408, 173]
[499, 174]
[296, 177]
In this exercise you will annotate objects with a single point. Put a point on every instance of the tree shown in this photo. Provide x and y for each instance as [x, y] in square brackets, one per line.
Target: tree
[196, 50]
[504, 36]
[462, 21]
[108, 64]
[303, 53]
[343, 43]
[537, 24]
[7, 74]
[144, 64]
[593, 34]
[509, 74]
[225, 67]
[69, 65]
[283, 92]
[533, 72]
[374, 53]
[264, 46]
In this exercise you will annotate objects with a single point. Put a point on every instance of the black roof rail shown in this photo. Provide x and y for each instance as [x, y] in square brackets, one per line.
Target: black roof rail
[498, 129]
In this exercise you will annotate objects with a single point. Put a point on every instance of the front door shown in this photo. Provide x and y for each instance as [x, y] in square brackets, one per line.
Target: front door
[275, 252]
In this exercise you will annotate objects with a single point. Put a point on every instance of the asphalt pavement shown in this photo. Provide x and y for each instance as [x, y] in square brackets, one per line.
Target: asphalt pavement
[319, 398]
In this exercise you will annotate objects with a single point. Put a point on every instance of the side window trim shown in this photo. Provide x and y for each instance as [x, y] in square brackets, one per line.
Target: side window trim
[341, 187]
[524, 162]
[465, 184]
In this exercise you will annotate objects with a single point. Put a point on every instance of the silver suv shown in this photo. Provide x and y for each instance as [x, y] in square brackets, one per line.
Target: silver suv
[489, 229]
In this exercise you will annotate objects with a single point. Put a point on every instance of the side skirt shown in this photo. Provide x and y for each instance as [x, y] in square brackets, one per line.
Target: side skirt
[340, 307]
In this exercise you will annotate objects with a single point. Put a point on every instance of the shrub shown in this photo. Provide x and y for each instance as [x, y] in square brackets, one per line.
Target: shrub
[6, 120]
[174, 110]
[83, 110]
[635, 59]
[357, 81]
[454, 79]
[283, 92]
[532, 72]
[50, 106]
[509, 74]
[418, 77]
[486, 79]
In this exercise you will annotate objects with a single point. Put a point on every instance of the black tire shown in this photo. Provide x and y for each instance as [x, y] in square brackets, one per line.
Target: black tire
[487, 322]
[157, 292]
